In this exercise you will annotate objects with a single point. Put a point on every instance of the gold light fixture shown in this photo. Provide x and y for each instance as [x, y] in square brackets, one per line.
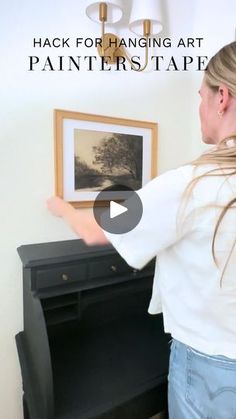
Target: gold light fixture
[145, 21]
[106, 12]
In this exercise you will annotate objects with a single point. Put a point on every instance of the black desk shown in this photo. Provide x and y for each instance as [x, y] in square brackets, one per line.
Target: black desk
[89, 348]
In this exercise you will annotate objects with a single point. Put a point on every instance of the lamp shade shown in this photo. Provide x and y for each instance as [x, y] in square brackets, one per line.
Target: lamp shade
[142, 10]
[114, 10]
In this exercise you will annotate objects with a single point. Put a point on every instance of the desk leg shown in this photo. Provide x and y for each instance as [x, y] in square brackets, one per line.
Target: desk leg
[25, 408]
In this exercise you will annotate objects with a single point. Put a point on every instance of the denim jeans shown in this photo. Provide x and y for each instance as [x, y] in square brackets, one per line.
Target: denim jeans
[200, 386]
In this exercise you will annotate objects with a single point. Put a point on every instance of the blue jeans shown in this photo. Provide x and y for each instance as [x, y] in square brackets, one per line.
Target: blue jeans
[200, 386]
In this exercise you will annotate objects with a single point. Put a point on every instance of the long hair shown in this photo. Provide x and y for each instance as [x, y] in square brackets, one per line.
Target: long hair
[220, 69]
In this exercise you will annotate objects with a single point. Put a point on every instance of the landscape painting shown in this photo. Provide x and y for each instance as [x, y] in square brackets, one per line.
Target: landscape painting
[96, 152]
[104, 159]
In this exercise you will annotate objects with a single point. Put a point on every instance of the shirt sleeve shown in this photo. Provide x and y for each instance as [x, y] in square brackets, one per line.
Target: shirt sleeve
[157, 229]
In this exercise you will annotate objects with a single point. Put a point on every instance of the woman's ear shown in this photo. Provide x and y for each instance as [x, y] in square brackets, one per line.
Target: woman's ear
[223, 93]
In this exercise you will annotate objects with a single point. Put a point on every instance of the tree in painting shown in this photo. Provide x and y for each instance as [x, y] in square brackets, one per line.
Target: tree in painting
[110, 159]
[122, 153]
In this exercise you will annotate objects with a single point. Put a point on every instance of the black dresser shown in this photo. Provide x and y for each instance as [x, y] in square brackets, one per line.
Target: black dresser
[89, 349]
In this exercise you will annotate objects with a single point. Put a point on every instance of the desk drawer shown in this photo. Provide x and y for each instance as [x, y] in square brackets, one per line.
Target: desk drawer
[58, 276]
[112, 266]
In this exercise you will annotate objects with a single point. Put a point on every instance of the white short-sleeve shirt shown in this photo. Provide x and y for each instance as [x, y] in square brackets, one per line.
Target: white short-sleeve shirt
[197, 309]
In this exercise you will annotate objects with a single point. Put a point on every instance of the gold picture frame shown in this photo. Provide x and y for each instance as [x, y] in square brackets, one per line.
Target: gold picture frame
[96, 151]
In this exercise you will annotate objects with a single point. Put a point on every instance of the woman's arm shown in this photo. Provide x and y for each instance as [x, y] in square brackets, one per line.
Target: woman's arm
[81, 221]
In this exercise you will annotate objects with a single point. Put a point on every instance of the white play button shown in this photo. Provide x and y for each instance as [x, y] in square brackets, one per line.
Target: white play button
[116, 209]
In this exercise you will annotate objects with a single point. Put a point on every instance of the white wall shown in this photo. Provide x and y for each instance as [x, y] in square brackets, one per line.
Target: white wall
[26, 128]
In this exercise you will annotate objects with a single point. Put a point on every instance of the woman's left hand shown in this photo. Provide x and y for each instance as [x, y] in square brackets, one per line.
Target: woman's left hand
[82, 222]
[57, 206]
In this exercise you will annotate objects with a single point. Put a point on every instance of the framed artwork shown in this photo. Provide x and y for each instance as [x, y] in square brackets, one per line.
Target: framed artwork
[93, 152]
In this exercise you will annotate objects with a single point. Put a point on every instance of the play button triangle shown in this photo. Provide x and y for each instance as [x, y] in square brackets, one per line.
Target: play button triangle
[116, 209]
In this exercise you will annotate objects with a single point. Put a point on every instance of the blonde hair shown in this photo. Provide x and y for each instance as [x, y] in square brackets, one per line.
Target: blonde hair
[220, 69]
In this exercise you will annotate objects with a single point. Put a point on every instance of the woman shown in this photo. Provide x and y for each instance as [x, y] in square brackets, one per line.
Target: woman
[189, 221]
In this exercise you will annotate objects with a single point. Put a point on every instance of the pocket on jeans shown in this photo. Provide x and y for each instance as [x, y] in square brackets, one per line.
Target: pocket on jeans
[211, 385]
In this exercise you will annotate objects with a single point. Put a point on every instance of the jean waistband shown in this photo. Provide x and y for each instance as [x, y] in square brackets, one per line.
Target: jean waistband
[177, 343]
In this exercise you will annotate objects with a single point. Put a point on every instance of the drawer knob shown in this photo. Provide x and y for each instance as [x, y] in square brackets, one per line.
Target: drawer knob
[113, 268]
[65, 277]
